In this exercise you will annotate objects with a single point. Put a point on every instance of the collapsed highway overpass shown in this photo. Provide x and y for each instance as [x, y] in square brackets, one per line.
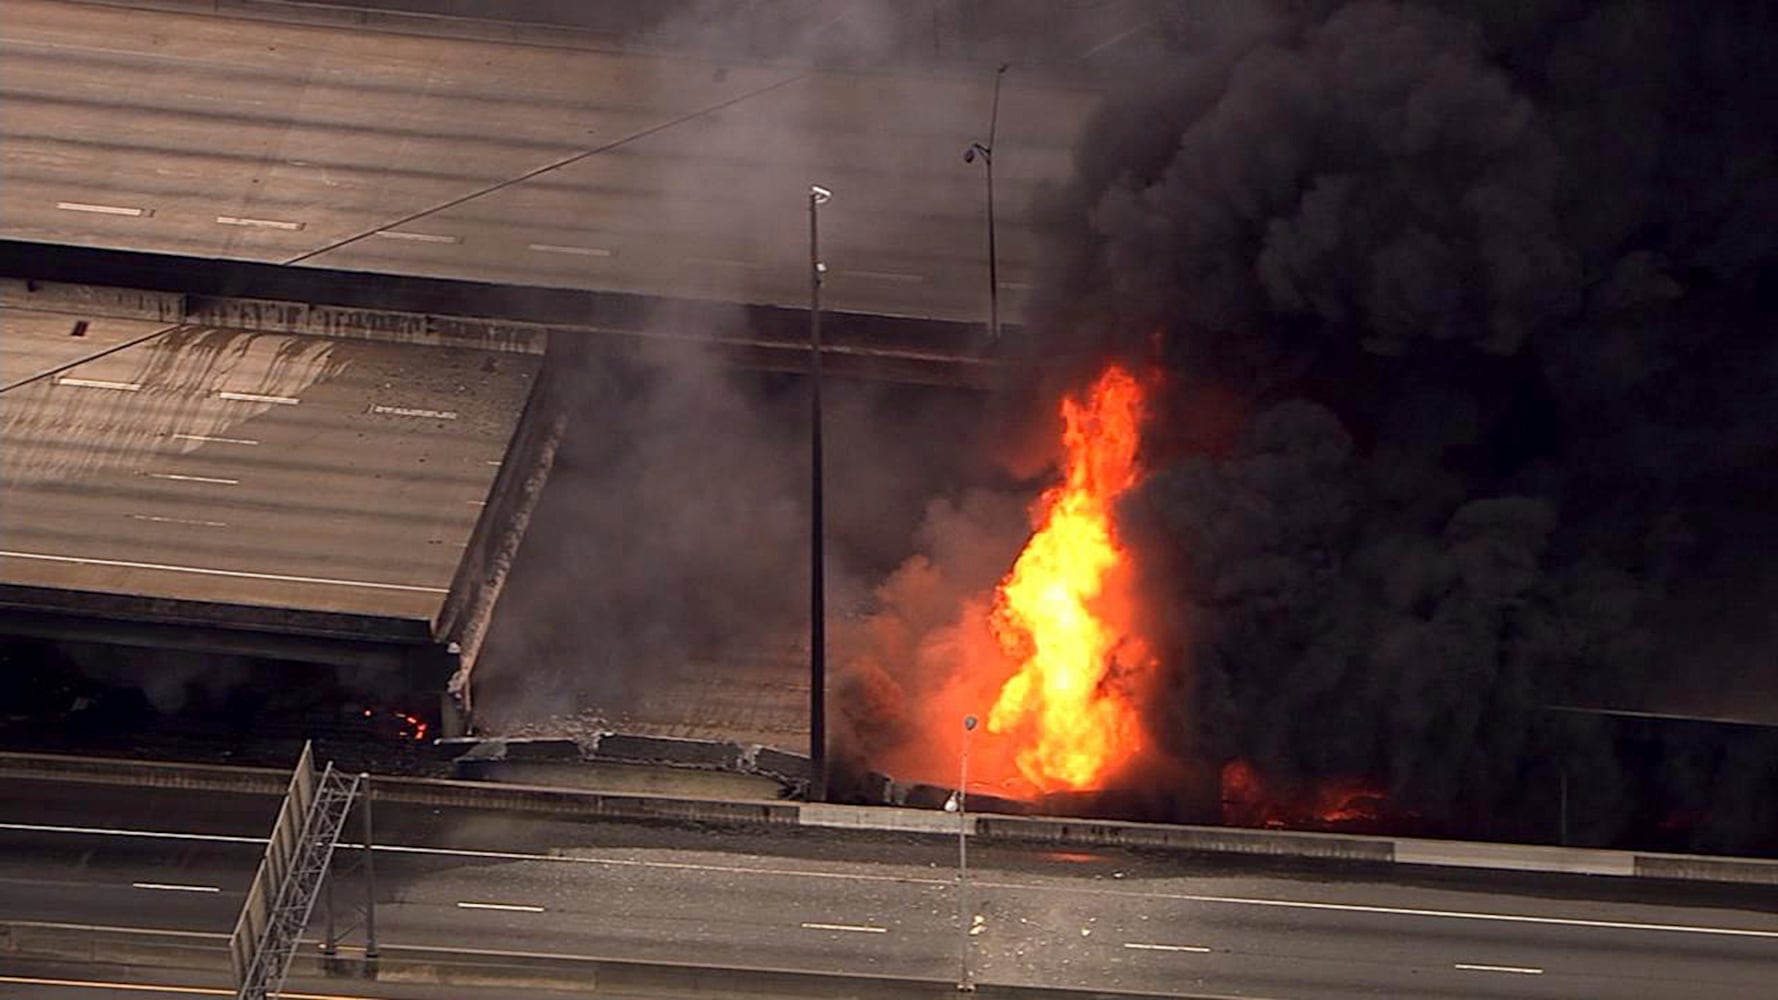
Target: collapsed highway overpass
[240, 459]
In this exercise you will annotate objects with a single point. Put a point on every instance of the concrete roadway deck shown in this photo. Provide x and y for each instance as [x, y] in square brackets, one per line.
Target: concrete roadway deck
[879, 903]
[209, 136]
[272, 470]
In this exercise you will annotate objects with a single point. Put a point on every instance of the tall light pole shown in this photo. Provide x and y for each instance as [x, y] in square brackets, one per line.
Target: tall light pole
[818, 196]
[986, 152]
[959, 804]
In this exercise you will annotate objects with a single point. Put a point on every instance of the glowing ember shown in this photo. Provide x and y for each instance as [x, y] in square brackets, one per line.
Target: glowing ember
[1328, 804]
[406, 726]
[1064, 614]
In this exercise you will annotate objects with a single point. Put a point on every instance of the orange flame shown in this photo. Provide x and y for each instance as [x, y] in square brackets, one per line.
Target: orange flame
[1065, 613]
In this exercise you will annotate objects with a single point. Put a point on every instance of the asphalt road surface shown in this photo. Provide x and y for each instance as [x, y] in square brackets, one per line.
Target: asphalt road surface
[209, 136]
[251, 468]
[815, 900]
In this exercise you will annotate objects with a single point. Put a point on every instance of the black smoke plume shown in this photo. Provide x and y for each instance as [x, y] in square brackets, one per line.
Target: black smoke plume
[1467, 317]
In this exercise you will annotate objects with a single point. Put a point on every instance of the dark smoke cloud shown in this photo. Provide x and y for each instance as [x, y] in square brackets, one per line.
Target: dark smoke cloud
[673, 535]
[1484, 297]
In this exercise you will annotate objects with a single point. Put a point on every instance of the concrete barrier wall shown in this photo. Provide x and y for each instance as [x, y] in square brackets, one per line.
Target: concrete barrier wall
[1210, 839]
[1693, 868]
[667, 750]
[884, 818]
[579, 802]
[275, 316]
[146, 774]
[547, 800]
[66, 942]
[383, 325]
[1514, 857]
[92, 300]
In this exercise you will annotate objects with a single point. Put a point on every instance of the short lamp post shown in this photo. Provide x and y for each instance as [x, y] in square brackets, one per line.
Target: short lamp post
[958, 803]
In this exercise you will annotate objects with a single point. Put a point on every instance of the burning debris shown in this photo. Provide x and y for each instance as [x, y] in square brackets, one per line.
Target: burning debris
[1051, 654]
[1065, 613]
[1469, 408]
[398, 724]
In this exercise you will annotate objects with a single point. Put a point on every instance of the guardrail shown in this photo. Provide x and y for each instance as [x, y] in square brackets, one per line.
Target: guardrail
[983, 826]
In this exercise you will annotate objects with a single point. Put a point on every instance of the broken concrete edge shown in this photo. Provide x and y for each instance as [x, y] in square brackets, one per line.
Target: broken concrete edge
[200, 951]
[792, 769]
[989, 827]
[273, 316]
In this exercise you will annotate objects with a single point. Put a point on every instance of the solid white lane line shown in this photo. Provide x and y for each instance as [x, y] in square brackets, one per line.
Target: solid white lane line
[236, 220]
[574, 251]
[232, 573]
[98, 383]
[1195, 949]
[853, 928]
[99, 984]
[211, 440]
[171, 887]
[886, 276]
[408, 411]
[392, 234]
[218, 480]
[199, 991]
[85, 206]
[513, 907]
[254, 397]
[105, 831]
[726, 262]
[1523, 970]
[157, 519]
[1408, 911]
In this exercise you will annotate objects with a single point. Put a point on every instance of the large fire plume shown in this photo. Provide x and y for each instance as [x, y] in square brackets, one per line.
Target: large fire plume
[1064, 617]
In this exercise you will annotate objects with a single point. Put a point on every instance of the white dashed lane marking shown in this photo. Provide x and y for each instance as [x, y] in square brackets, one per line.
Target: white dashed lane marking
[216, 480]
[158, 519]
[410, 411]
[886, 276]
[389, 234]
[86, 206]
[852, 928]
[571, 251]
[1522, 970]
[255, 397]
[207, 439]
[98, 383]
[236, 220]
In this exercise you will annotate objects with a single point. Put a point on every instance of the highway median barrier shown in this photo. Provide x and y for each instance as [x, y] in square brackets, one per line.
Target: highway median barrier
[1696, 868]
[1514, 857]
[986, 827]
[1199, 839]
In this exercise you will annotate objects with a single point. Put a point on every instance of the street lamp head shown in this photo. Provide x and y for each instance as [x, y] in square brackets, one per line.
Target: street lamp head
[977, 149]
[952, 804]
[819, 195]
